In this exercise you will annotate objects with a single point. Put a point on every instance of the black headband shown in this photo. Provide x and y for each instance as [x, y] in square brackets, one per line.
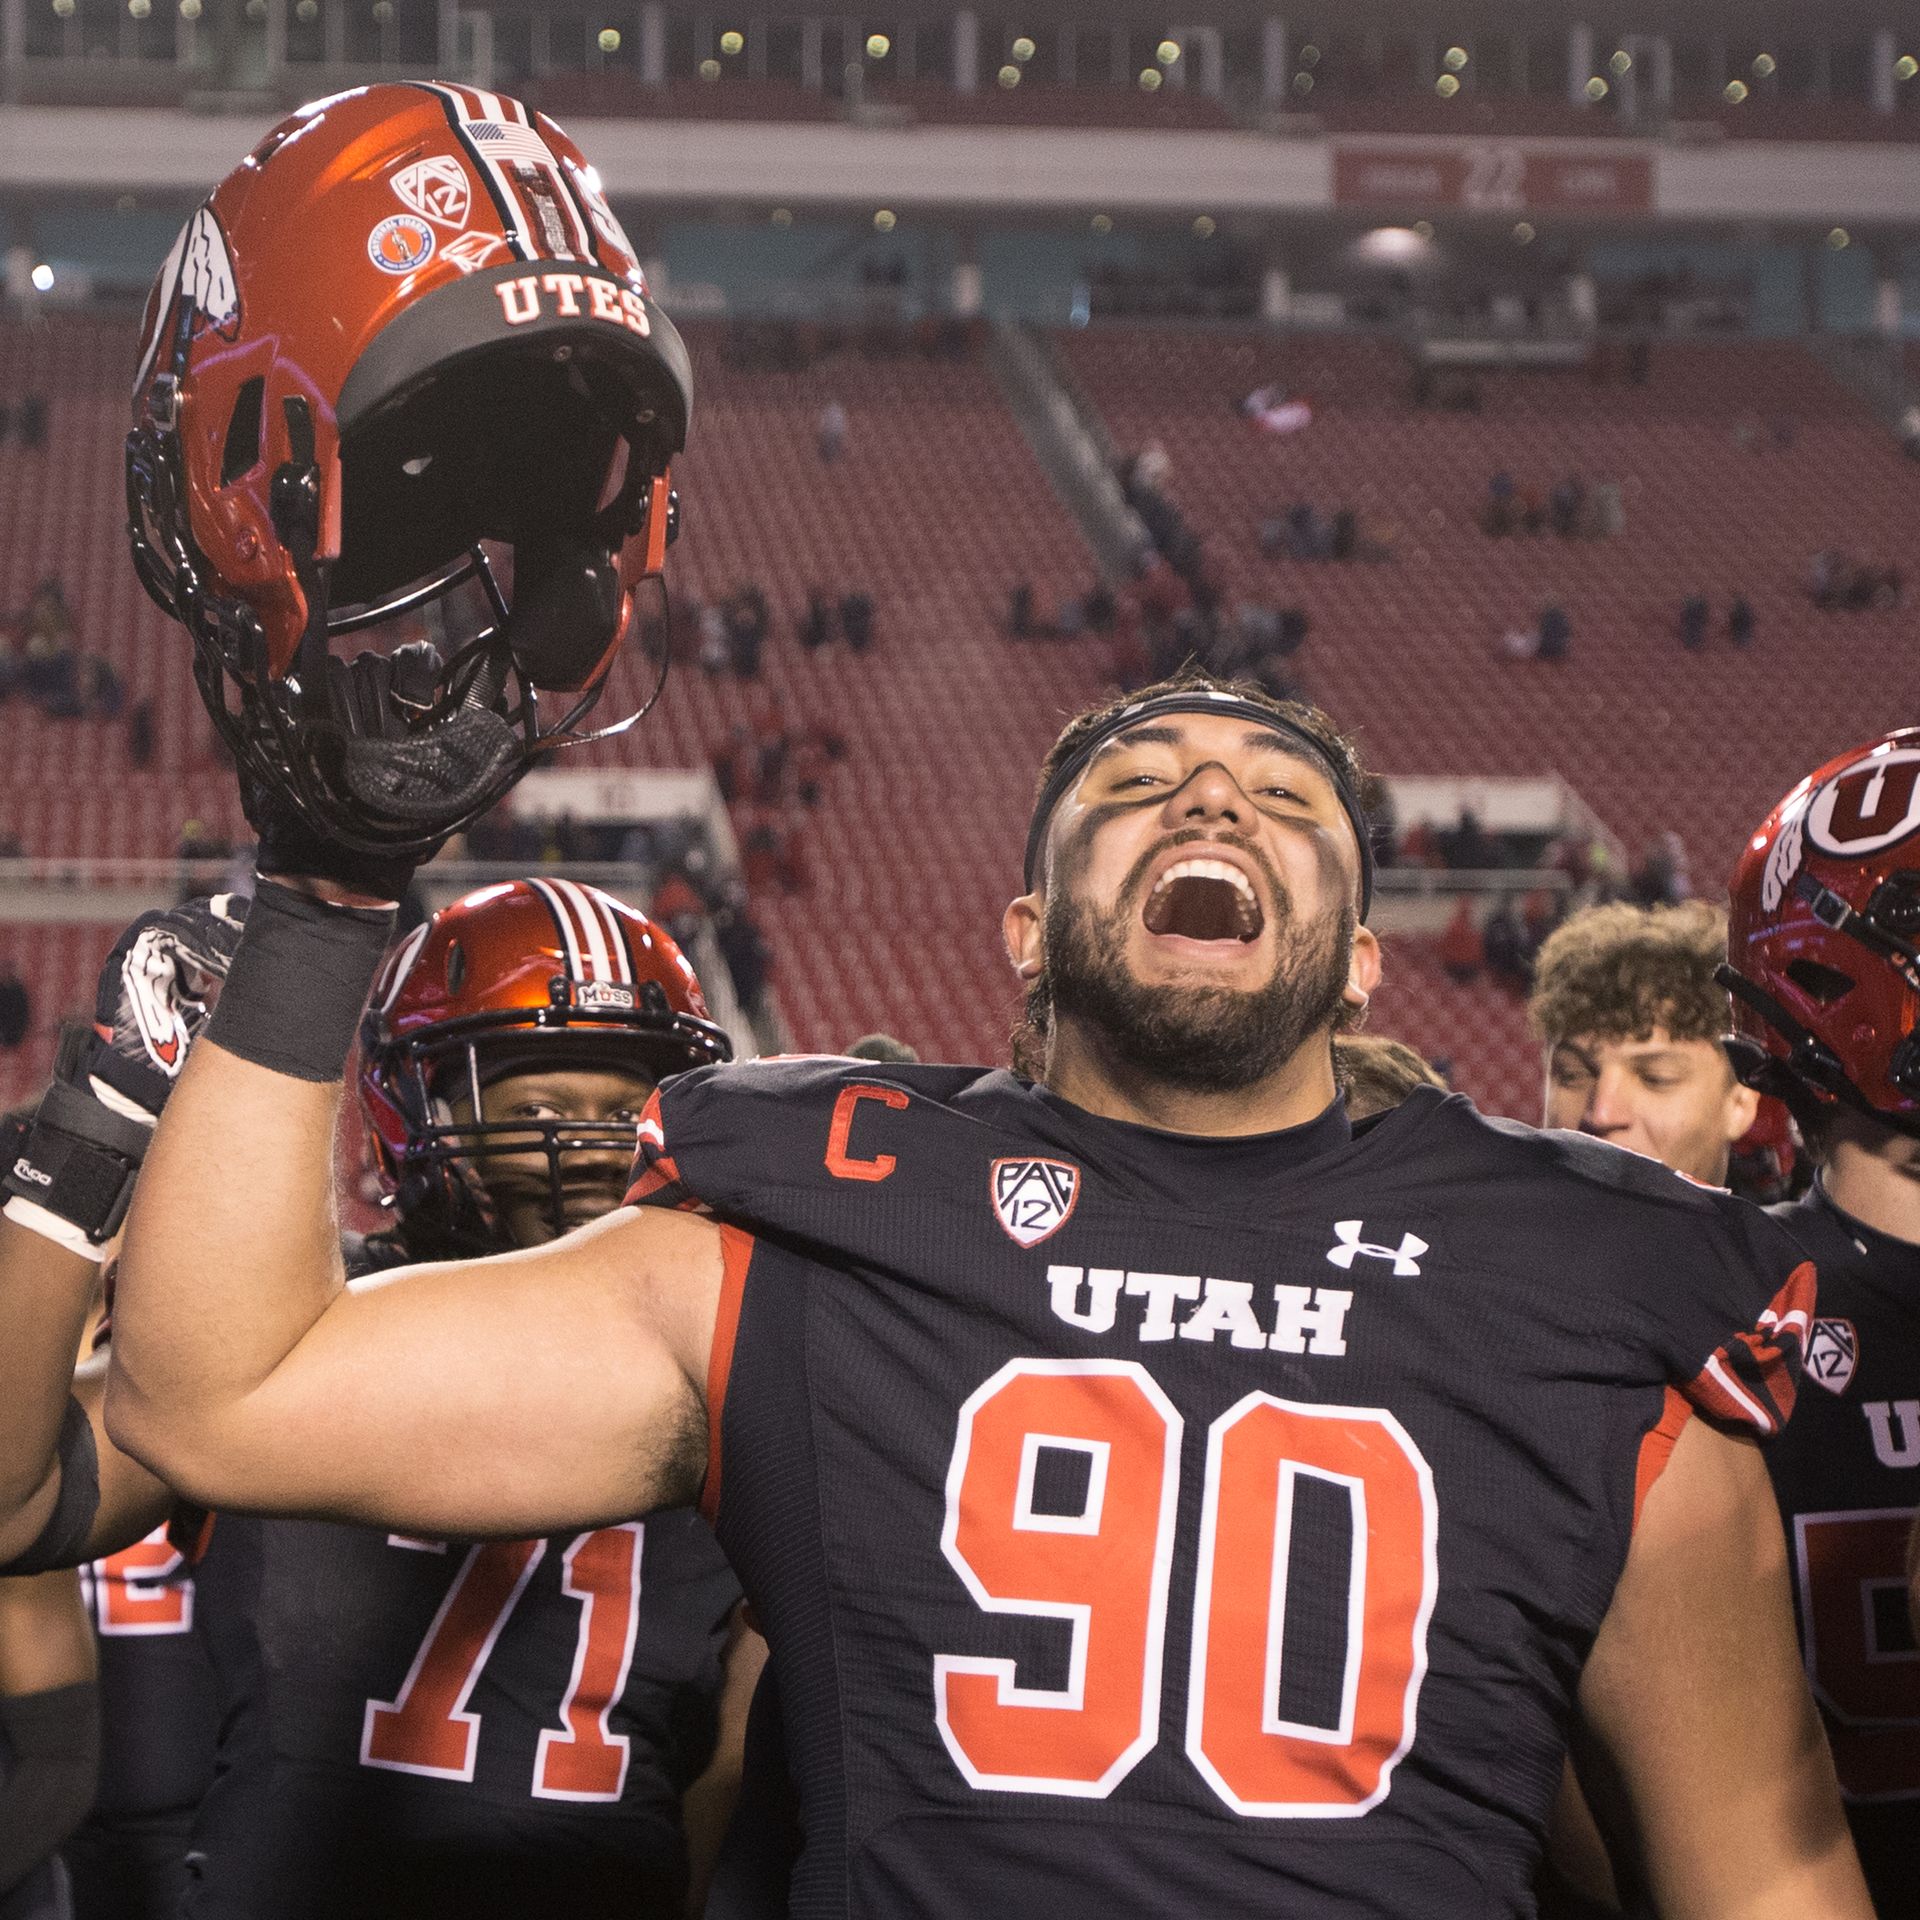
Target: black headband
[1199, 700]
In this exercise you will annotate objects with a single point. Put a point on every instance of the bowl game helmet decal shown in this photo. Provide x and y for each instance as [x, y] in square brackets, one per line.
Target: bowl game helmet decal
[1823, 944]
[404, 349]
[522, 975]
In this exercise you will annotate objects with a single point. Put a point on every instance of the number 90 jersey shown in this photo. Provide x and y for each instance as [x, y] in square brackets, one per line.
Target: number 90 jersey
[1144, 1523]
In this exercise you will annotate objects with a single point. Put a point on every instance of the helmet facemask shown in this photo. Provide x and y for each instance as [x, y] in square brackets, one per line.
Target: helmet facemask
[448, 1194]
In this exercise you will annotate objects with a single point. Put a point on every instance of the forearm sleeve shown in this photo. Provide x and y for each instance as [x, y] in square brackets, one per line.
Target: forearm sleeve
[62, 1542]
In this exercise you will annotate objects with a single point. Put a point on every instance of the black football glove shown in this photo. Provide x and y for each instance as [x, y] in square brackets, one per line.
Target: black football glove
[71, 1173]
[372, 694]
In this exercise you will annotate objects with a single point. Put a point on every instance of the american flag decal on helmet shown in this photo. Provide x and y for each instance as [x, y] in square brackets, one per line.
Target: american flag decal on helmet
[524, 176]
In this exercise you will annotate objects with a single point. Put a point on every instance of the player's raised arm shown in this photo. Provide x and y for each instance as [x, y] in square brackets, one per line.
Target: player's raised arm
[523, 1394]
[1696, 1702]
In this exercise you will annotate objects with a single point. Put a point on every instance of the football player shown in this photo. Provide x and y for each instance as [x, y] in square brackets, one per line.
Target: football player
[1156, 1497]
[417, 1726]
[1633, 1021]
[1824, 964]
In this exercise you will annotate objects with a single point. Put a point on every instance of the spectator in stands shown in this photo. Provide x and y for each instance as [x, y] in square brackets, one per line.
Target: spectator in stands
[198, 842]
[815, 626]
[856, 618]
[831, 435]
[1306, 538]
[1663, 878]
[748, 618]
[1564, 506]
[30, 422]
[16, 1007]
[884, 1050]
[1556, 632]
[744, 949]
[1100, 606]
[1505, 946]
[678, 907]
[1694, 614]
[1343, 534]
[140, 736]
[1461, 951]
[1740, 621]
[102, 691]
[1467, 847]
[716, 649]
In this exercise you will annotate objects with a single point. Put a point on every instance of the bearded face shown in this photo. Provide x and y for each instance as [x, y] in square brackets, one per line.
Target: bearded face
[1196, 1034]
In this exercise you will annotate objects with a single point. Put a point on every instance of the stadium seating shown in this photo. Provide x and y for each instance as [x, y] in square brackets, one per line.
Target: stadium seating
[1406, 650]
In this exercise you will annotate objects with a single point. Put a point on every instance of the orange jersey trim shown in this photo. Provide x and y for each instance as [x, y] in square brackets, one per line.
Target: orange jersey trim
[1656, 1447]
[736, 1255]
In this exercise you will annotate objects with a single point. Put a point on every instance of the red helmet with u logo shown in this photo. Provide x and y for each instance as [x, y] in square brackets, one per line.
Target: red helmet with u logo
[1823, 945]
[403, 357]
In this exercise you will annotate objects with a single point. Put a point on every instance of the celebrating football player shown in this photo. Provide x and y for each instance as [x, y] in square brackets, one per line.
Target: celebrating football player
[1824, 963]
[1105, 1571]
[409, 1727]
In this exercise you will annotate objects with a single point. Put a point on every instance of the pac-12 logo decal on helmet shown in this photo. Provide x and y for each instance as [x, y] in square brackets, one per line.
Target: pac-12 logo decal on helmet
[1832, 1354]
[400, 243]
[1869, 805]
[200, 272]
[1034, 1198]
[436, 187]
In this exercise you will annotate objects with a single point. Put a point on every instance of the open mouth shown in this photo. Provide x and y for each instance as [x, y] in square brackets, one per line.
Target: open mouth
[1204, 900]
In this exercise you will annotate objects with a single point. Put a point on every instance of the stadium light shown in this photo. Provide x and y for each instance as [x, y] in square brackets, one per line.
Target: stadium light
[732, 41]
[1149, 79]
[885, 220]
[1455, 58]
[140, 9]
[1101, 223]
[878, 46]
[307, 11]
[1621, 64]
[782, 216]
[43, 278]
[1906, 66]
[1447, 85]
[1303, 83]
[1523, 231]
[1736, 92]
[1596, 88]
[382, 9]
[1167, 52]
[1203, 227]
[1309, 56]
[1009, 75]
[609, 39]
[709, 70]
[1763, 64]
[1022, 49]
[1394, 246]
[1838, 237]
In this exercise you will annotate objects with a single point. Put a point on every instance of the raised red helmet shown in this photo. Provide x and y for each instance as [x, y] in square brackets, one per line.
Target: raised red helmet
[405, 329]
[1823, 944]
[543, 973]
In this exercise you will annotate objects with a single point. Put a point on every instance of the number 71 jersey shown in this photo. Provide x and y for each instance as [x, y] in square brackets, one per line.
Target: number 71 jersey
[1145, 1524]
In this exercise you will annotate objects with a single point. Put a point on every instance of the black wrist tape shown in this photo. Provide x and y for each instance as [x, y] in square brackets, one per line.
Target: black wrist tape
[294, 995]
[62, 1542]
[78, 1159]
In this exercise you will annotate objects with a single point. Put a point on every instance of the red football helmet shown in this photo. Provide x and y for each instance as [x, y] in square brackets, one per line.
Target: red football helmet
[405, 327]
[1823, 946]
[523, 974]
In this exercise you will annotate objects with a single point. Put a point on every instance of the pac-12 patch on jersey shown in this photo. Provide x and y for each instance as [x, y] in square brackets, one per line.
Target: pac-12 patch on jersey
[1832, 1354]
[1034, 1198]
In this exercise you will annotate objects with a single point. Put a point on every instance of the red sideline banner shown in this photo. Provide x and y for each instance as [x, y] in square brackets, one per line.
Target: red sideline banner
[1492, 176]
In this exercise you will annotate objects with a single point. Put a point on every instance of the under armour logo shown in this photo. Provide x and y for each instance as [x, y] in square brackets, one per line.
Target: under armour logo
[1405, 1257]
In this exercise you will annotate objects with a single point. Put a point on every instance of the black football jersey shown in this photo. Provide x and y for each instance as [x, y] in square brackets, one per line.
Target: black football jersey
[159, 1722]
[481, 1730]
[1145, 1524]
[1847, 1473]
